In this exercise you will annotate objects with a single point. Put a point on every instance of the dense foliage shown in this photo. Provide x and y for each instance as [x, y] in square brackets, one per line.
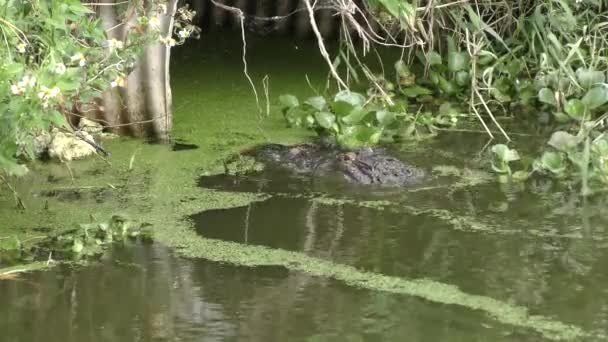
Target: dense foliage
[56, 57]
[539, 61]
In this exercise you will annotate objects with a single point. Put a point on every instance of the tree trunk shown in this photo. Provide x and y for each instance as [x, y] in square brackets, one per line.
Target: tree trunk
[143, 107]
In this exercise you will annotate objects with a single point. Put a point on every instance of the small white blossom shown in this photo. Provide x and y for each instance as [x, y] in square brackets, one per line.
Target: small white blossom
[183, 34]
[154, 22]
[48, 93]
[115, 43]
[21, 47]
[118, 82]
[80, 58]
[168, 41]
[60, 68]
[16, 90]
[27, 82]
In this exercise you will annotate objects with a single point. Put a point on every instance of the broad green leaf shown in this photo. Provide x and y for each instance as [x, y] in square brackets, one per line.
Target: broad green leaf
[316, 102]
[385, 117]
[595, 97]
[289, 101]
[355, 116]
[462, 78]
[562, 117]
[563, 141]
[447, 87]
[588, 77]
[355, 99]
[325, 119]
[77, 246]
[458, 61]
[503, 152]
[433, 58]
[342, 108]
[575, 108]
[554, 162]
[547, 96]
[415, 91]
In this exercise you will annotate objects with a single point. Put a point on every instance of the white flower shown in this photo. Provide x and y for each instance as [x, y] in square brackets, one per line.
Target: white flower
[46, 93]
[21, 47]
[27, 82]
[60, 68]
[168, 41]
[114, 43]
[80, 58]
[154, 22]
[183, 34]
[16, 90]
[118, 82]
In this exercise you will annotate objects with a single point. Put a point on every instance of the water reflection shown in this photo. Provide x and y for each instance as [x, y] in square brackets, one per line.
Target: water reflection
[144, 293]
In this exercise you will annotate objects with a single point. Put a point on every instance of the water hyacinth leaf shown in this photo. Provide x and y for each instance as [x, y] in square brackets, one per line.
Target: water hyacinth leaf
[561, 117]
[553, 162]
[342, 108]
[433, 58]
[385, 117]
[595, 97]
[316, 102]
[503, 152]
[563, 141]
[77, 246]
[416, 91]
[289, 101]
[356, 116]
[458, 61]
[575, 108]
[589, 77]
[462, 78]
[350, 97]
[325, 119]
[447, 87]
[546, 95]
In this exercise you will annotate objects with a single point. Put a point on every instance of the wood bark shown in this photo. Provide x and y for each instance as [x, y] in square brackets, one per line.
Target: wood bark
[143, 107]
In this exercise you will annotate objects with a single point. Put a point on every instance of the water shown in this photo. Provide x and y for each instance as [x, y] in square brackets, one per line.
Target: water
[479, 251]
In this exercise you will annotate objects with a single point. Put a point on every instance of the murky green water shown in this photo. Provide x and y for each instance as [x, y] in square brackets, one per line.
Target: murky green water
[457, 258]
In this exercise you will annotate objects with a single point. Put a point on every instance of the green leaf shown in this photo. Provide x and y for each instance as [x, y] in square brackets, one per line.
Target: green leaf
[458, 61]
[504, 153]
[595, 97]
[563, 141]
[77, 246]
[554, 162]
[350, 97]
[462, 78]
[447, 87]
[317, 102]
[289, 101]
[588, 77]
[575, 108]
[385, 117]
[325, 119]
[342, 108]
[433, 58]
[546, 95]
[415, 91]
[356, 116]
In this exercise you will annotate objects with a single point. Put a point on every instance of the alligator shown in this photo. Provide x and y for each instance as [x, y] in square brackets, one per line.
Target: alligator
[361, 166]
